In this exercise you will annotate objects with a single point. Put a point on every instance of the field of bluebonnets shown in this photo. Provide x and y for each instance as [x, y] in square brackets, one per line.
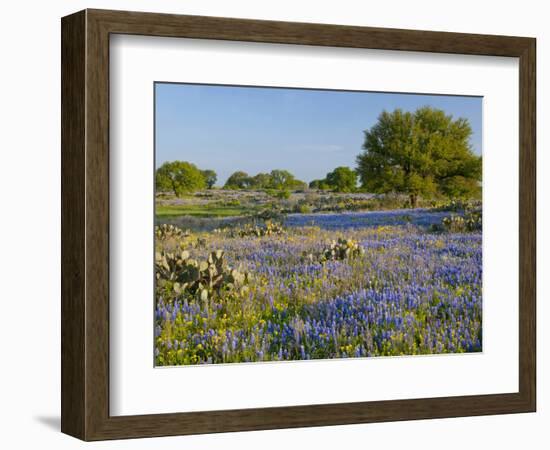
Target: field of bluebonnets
[326, 285]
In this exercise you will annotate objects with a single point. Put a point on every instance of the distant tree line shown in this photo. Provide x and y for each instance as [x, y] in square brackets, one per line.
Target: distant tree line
[420, 153]
[276, 179]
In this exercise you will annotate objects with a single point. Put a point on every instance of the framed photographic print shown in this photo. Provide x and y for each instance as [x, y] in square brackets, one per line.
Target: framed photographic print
[271, 224]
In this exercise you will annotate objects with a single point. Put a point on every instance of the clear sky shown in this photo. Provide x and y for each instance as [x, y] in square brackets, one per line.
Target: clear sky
[308, 132]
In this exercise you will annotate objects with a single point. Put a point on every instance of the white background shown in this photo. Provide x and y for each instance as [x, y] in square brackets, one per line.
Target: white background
[30, 235]
[136, 387]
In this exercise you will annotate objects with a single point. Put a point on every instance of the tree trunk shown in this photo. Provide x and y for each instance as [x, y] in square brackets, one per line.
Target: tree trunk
[412, 199]
[174, 188]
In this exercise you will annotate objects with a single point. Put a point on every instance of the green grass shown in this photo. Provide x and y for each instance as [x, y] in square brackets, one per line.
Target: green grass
[201, 210]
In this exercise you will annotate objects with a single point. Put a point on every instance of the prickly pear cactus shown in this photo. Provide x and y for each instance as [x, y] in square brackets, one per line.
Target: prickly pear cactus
[165, 231]
[179, 275]
[267, 229]
[342, 249]
[471, 221]
[338, 250]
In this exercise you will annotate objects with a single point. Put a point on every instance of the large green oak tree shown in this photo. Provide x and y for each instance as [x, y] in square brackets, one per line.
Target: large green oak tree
[421, 153]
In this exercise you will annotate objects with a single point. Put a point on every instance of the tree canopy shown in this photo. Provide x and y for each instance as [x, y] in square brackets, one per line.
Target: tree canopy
[319, 184]
[280, 179]
[238, 180]
[180, 177]
[342, 179]
[261, 181]
[210, 177]
[425, 152]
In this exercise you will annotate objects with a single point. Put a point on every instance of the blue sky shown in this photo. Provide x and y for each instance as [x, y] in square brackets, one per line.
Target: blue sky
[308, 132]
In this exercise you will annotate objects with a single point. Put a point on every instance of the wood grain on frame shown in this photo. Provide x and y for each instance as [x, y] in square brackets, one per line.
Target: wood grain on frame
[73, 108]
[85, 224]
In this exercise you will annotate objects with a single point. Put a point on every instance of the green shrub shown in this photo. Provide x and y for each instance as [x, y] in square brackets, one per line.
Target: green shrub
[304, 208]
[233, 202]
[269, 214]
[283, 194]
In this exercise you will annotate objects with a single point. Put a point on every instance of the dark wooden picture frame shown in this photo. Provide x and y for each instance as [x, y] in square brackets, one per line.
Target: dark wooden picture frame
[85, 224]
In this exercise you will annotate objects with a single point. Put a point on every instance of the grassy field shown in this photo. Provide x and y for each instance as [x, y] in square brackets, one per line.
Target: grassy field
[205, 210]
[222, 203]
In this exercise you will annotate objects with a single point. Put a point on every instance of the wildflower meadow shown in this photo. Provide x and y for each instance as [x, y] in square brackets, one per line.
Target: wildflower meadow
[320, 286]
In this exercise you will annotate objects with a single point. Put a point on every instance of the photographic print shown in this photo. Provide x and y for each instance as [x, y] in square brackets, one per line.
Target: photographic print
[301, 224]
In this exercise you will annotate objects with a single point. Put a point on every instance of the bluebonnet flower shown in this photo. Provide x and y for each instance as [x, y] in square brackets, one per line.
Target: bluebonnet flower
[411, 292]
